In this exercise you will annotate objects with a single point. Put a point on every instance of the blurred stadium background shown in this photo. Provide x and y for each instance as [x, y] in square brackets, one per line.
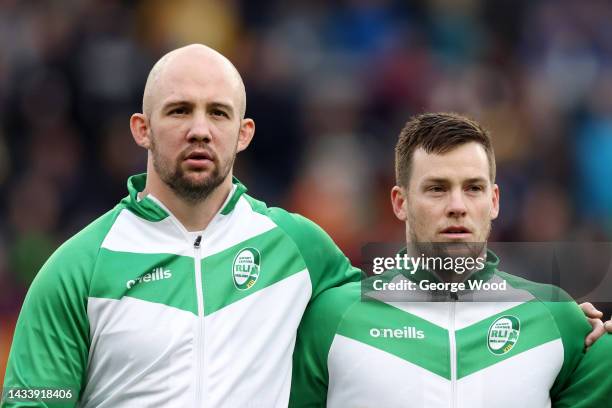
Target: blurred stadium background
[330, 84]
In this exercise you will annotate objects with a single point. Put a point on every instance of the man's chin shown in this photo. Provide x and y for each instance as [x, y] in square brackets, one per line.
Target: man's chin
[194, 186]
[201, 182]
[451, 247]
[199, 175]
[197, 178]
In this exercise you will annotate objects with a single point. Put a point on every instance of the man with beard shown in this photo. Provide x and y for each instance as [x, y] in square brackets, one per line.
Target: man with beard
[413, 337]
[189, 292]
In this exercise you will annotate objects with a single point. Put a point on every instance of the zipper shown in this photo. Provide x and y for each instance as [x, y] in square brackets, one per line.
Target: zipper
[200, 383]
[453, 348]
[199, 352]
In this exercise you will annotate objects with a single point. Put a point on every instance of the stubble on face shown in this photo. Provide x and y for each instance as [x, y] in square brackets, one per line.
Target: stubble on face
[420, 244]
[190, 189]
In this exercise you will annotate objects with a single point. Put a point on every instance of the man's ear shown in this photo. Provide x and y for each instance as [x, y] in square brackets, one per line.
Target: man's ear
[139, 125]
[398, 201]
[247, 130]
[495, 204]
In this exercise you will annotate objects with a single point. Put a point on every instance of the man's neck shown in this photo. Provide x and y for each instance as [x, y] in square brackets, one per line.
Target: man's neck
[451, 276]
[194, 216]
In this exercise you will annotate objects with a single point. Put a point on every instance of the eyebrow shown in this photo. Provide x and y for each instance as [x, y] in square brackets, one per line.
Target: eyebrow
[476, 180]
[442, 180]
[438, 180]
[222, 105]
[176, 103]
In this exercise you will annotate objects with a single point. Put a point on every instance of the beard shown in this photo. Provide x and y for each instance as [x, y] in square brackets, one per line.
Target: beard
[420, 245]
[189, 189]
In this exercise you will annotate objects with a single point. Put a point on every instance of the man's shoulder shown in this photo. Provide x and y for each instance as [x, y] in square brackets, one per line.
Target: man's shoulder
[332, 305]
[286, 220]
[84, 246]
[326, 264]
[70, 268]
[602, 348]
[335, 302]
[92, 235]
[540, 291]
[305, 233]
[559, 304]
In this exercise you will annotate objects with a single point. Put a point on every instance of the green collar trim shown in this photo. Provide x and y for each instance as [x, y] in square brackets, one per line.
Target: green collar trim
[145, 208]
[151, 211]
[238, 192]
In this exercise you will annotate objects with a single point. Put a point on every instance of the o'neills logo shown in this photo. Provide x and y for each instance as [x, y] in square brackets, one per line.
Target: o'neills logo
[406, 332]
[155, 275]
[245, 268]
[503, 334]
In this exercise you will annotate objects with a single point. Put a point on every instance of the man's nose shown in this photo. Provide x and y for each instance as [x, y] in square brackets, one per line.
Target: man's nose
[456, 206]
[200, 128]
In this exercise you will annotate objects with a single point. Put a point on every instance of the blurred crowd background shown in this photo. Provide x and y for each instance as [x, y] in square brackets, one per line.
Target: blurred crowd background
[329, 84]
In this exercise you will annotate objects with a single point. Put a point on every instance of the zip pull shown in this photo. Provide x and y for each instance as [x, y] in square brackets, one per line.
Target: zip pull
[196, 243]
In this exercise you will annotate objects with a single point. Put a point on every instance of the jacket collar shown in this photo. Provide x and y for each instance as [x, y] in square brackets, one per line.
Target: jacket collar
[150, 210]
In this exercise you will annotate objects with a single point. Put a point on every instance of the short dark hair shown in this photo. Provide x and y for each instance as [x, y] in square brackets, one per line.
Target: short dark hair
[438, 133]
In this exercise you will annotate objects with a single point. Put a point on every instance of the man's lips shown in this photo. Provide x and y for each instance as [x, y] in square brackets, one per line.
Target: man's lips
[456, 231]
[199, 159]
[199, 155]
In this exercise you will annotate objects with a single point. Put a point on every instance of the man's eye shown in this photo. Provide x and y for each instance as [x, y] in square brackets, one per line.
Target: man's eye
[435, 189]
[218, 112]
[475, 188]
[178, 111]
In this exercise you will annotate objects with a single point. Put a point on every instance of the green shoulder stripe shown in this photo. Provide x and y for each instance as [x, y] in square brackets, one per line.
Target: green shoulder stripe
[327, 265]
[51, 341]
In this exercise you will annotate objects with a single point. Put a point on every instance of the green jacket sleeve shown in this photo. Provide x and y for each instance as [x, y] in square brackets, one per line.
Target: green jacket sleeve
[573, 327]
[569, 320]
[590, 385]
[327, 265]
[315, 336]
[584, 379]
[51, 342]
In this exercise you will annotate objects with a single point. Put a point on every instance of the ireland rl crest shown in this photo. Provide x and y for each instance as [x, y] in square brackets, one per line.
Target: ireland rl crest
[503, 334]
[245, 268]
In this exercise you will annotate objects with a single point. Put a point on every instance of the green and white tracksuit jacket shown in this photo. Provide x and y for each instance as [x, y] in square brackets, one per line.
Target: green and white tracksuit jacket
[134, 311]
[378, 352]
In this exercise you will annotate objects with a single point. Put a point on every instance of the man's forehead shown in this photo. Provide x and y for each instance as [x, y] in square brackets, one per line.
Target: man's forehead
[202, 64]
[193, 75]
[186, 73]
[179, 86]
[466, 161]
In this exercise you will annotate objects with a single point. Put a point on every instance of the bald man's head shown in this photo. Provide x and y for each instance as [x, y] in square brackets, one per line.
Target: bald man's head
[194, 53]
